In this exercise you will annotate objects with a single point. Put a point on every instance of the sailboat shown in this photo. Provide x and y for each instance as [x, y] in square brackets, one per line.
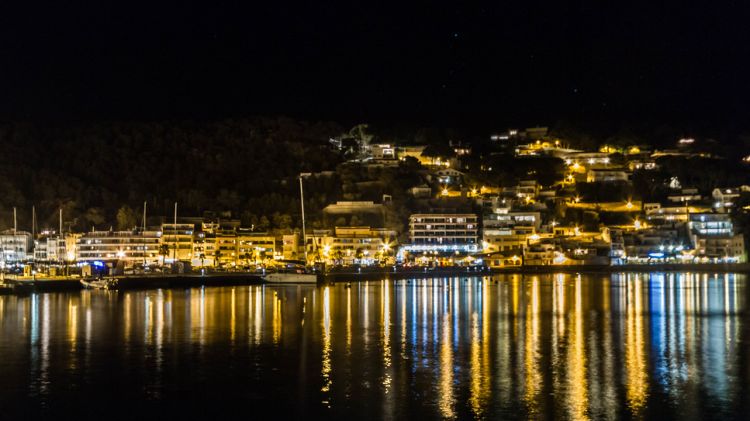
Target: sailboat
[294, 272]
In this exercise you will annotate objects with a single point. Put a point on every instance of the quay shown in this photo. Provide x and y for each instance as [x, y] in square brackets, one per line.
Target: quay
[22, 285]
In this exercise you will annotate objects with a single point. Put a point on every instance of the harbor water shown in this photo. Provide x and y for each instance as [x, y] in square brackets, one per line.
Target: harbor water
[564, 346]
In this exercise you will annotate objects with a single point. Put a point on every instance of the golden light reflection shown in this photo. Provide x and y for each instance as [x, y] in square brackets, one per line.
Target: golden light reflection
[233, 318]
[276, 322]
[446, 401]
[127, 309]
[72, 323]
[479, 360]
[533, 378]
[348, 321]
[258, 318]
[385, 335]
[326, 366]
[577, 380]
[635, 358]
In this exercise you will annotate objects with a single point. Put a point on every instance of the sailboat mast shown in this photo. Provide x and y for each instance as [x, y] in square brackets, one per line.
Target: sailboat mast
[302, 205]
[15, 221]
[143, 233]
[33, 222]
[174, 251]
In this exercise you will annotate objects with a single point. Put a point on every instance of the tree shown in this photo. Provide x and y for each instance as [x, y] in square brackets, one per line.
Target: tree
[163, 251]
[126, 218]
[217, 255]
[94, 216]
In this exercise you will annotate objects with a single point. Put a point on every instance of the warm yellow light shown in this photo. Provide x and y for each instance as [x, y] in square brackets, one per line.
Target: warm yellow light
[445, 192]
[629, 205]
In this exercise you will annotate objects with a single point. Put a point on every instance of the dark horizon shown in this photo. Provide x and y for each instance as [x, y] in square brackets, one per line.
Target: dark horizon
[470, 67]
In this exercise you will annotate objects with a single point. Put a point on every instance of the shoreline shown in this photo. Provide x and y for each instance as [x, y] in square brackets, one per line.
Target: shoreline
[21, 286]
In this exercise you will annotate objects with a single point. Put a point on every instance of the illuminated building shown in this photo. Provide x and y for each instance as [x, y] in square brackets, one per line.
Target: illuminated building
[127, 246]
[444, 233]
[179, 240]
[606, 176]
[255, 246]
[713, 237]
[15, 246]
[356, 245]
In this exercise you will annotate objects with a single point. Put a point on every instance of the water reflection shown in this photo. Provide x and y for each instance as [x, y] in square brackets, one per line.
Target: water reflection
[578, 347]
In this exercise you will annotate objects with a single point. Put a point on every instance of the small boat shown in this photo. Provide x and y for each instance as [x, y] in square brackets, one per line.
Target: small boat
[104, 283]
[291, 278]
[293, 272]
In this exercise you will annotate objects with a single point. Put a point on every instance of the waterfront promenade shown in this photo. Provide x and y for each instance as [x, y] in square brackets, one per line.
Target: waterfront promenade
[156, 281]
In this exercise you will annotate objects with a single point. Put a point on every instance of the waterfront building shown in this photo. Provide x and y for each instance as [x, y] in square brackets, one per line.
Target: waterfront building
[126, 246]
[204, 249]
[357, 245]
[255, 246]
[15, 246]
[442, 234]
[514, 238]
[50, 249]
[290, 247]
[714, 239]
[179, 240]
[225, 249]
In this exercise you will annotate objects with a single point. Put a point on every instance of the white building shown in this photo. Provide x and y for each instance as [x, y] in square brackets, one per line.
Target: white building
[128, 246]
[15, 246]
[443, 232]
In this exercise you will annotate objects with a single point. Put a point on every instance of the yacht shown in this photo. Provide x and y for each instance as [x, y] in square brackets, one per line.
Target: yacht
[293, 272]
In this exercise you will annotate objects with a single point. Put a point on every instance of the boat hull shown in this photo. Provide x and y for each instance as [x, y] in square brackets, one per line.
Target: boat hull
[291, 278]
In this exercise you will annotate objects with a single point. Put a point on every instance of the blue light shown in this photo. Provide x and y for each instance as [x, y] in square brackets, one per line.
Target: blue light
[657, 255]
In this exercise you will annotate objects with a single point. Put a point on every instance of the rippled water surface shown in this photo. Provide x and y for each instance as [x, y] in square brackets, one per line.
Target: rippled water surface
[666, 346]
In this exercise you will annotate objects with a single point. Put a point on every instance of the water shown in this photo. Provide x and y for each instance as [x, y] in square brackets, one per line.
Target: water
[666, 346]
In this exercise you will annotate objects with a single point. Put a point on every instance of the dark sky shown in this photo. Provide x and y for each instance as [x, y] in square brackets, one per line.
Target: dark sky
[457, 64]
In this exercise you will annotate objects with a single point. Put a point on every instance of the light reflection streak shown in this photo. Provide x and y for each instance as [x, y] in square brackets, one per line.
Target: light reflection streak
[577, 382]
[445, 390]
[326, 366]
[635, 358]
[385, 335]
[232, 319]
[533, 377]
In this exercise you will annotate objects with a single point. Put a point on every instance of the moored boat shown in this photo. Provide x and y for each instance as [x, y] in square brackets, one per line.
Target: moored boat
[293, 272]
[290, 278]
[105, 283]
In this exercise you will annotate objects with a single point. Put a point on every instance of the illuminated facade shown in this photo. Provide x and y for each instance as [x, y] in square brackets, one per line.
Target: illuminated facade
[128, 246]
[362, 245]
[16, 246]
[442, 233]
[179, 239]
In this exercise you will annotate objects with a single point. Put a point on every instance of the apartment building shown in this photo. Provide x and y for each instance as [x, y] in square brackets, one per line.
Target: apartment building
[443, 232]
[179, 240]
[15, 246]
[127, 246]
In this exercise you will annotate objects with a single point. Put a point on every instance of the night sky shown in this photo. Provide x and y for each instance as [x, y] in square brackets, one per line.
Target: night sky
[460, 64]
